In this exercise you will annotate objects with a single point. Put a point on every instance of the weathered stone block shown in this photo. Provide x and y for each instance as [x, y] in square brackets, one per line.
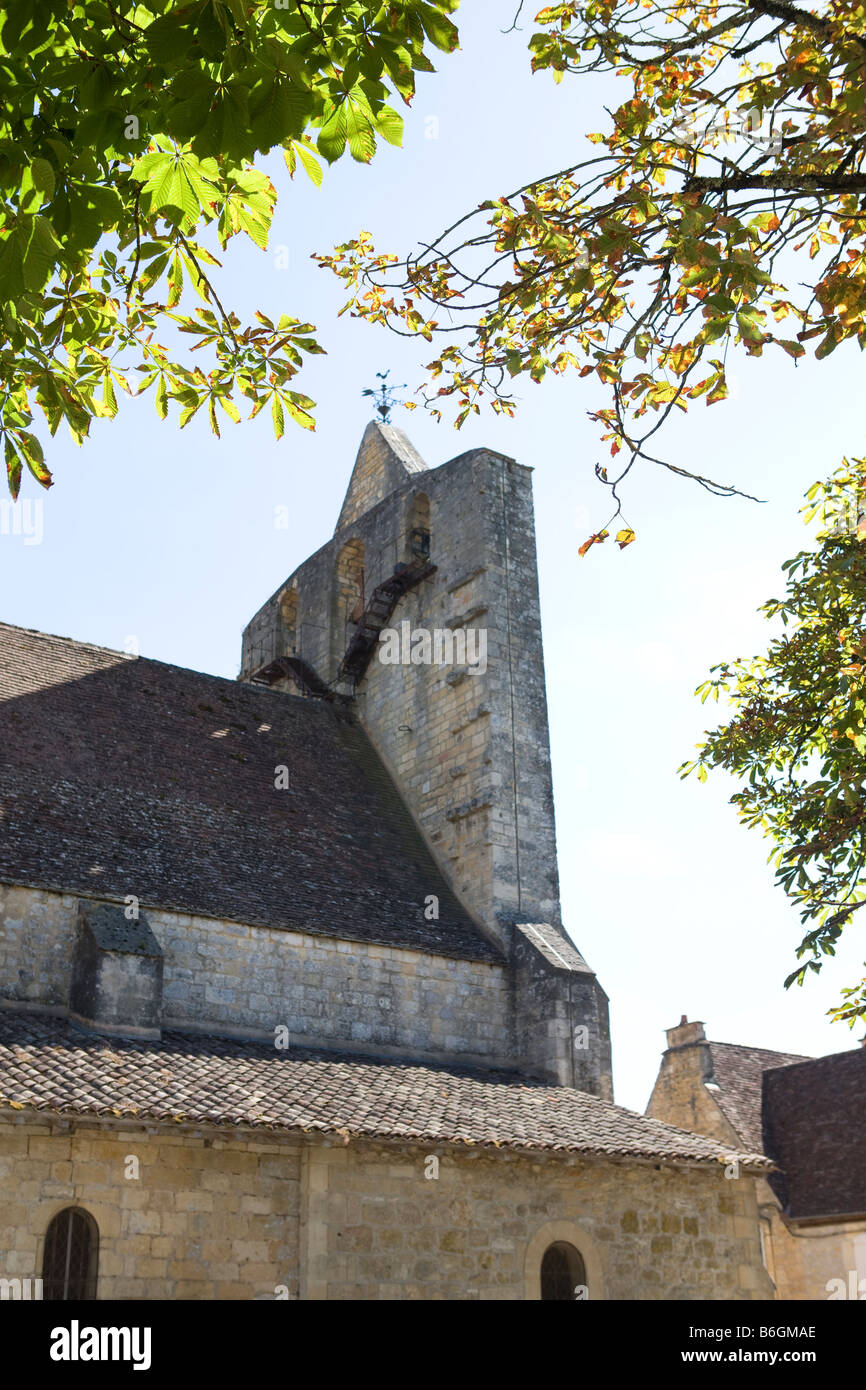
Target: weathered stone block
[116, 973]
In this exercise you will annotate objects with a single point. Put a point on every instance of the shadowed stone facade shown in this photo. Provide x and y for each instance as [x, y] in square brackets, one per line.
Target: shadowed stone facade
[236, 980]
[116, 972]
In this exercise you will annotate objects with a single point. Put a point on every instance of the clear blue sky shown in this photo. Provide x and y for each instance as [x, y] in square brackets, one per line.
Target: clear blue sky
[170, 538]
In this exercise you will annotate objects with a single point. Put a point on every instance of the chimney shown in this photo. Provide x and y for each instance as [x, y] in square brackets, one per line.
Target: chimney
[685, 1033]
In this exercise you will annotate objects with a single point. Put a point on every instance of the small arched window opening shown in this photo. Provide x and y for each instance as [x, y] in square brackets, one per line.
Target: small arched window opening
[350, 582]
[289, 620]
[69, 1262]
[563, 1273]
[419, 527]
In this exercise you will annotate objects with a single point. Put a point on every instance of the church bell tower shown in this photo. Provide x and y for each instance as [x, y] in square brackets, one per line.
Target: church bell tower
[422, 615]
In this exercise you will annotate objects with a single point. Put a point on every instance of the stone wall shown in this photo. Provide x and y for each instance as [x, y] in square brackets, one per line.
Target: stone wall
[470, 748]
[216, 1215]
[229, 978]
[209, 1216]
[332, 991]
[804, 1259]
[377, 1228]
[37, 941]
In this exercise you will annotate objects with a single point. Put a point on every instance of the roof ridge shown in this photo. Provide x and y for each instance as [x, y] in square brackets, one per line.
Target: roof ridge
[830, 1056]
[69, 641]
[232, 681]
[749, 1047]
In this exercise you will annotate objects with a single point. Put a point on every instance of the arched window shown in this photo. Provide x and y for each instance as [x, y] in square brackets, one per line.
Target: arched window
[350, 582]
[418, 540]
[563, 1273]
[69, 1262]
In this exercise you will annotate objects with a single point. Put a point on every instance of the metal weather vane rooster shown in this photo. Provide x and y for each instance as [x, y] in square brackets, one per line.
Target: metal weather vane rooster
[384, 395]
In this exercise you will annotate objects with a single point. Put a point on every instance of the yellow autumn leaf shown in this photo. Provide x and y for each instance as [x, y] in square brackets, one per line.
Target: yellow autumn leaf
[595, 539]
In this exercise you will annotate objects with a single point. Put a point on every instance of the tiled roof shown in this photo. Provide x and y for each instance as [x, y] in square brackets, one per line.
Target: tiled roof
[738, 1072]
[815, 1129]
[47, 1065]
[553, 944]
[122, 775]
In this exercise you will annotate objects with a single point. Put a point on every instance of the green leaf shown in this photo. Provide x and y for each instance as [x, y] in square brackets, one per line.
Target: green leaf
[13, 467]
[278, 109]
[389, 125]
[177, 185]
[226, 132]
[109, 399]
[295, 406]
[175, 281]
[308, 160]
[83, 212]
[437, 27]
[37, 186]
[27, 256]
[331, 140]
[190, 97]
[827, 345]
[359, 127]
[33, 456]
[277, 416]
[189, 411]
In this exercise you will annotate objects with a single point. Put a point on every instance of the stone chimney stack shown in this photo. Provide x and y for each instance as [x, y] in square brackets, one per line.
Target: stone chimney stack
[685, 1033]
[685, 1089]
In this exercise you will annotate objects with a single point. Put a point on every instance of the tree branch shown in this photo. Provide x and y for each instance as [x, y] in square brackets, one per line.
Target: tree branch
[792, 15]
[792, 183]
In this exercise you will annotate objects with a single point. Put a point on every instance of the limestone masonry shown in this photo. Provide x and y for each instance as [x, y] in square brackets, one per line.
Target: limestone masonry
[287, 1005]
[469, 752]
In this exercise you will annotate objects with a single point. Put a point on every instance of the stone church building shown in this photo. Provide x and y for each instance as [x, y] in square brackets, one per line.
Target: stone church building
[287, 1009]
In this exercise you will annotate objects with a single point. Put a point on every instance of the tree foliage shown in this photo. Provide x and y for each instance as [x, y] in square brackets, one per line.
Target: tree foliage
[724, 202]
[128, 130]
[798, 731]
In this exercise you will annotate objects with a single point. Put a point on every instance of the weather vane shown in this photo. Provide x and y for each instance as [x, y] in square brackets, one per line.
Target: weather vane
[385, 395]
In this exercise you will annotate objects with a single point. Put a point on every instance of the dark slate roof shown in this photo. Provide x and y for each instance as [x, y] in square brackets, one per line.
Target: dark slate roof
[738, 1072]
[123, 775]
[47, 1065]
[815, 1129]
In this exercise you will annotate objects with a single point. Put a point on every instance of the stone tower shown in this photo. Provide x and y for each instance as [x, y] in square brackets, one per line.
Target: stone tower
[423, 611]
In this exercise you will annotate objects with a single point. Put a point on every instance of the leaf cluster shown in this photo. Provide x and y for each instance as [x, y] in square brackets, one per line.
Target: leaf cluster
[126, 131]
[797, 733]
[723, 202]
